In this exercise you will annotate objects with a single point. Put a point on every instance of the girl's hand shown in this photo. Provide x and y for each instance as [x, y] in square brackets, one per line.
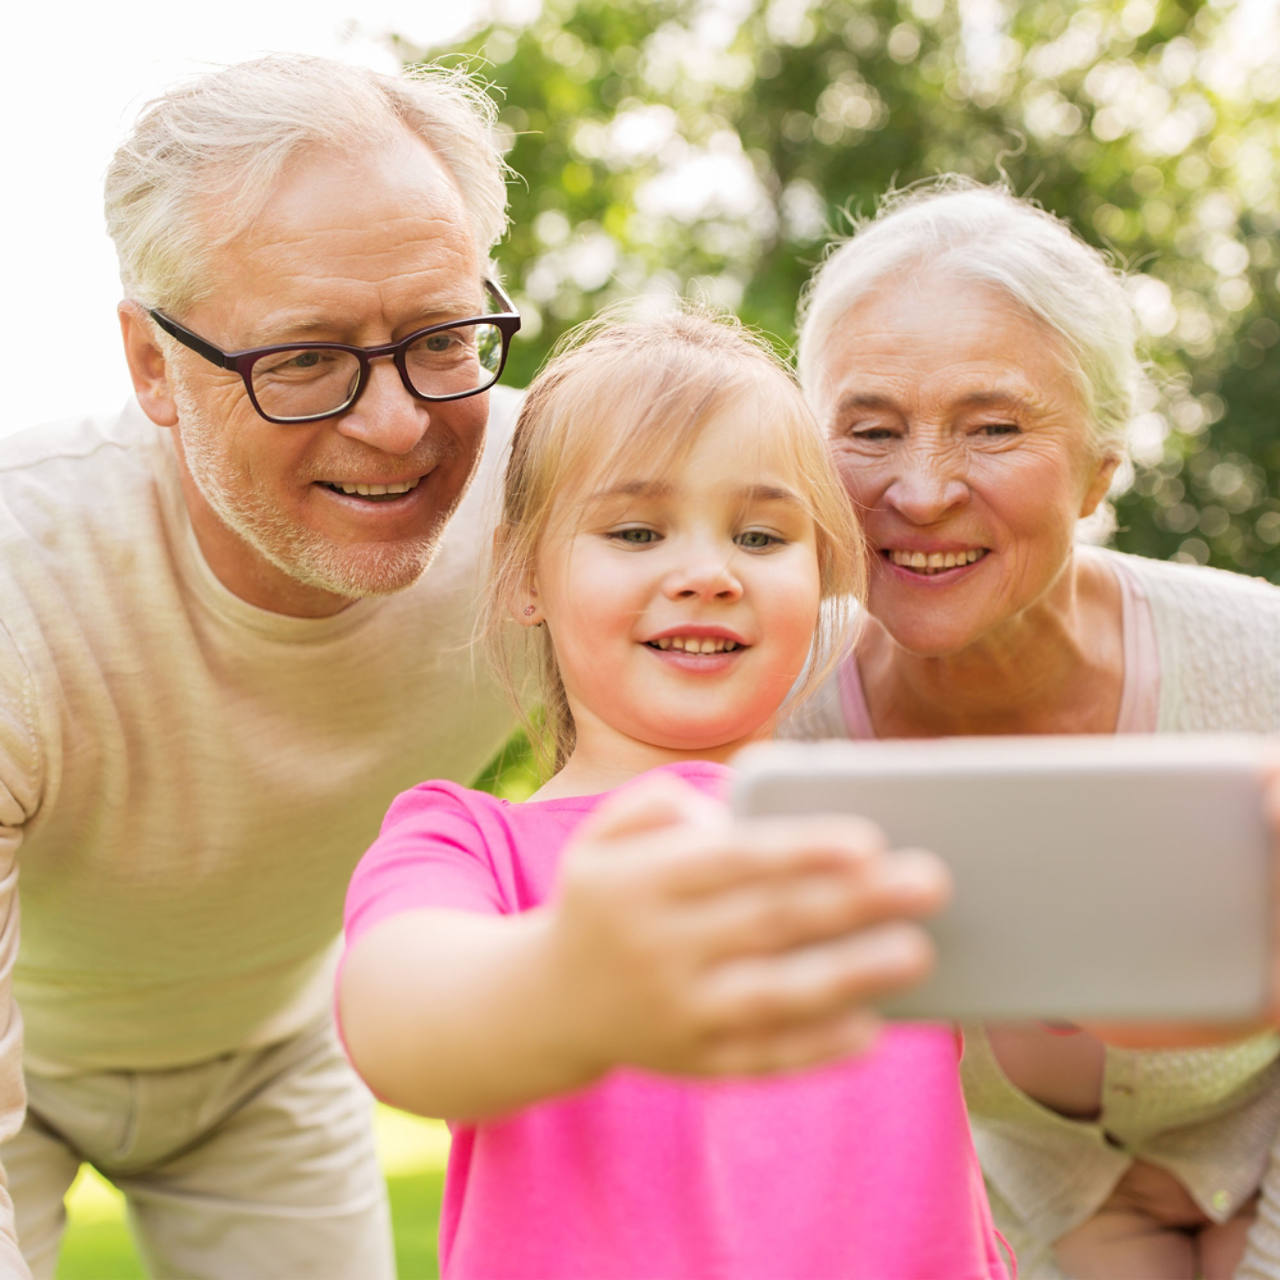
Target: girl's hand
[684, 942]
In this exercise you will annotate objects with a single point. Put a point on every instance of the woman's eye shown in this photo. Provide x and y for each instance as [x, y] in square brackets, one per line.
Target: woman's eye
[757, 540]
[993, 429]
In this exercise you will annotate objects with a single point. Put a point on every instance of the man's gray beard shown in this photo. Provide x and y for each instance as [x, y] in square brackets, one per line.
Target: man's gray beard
[306, 557]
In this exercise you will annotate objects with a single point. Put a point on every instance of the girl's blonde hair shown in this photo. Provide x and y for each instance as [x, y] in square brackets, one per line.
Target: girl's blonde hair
[620, 391]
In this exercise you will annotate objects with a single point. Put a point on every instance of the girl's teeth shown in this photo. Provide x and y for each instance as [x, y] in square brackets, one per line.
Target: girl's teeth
[697, 644]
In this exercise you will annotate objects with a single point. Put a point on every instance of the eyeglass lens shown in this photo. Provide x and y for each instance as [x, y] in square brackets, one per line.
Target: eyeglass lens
[310, 381]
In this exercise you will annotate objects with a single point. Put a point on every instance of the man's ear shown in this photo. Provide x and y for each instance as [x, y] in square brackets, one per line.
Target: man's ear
[1099, 484]
[148, 366]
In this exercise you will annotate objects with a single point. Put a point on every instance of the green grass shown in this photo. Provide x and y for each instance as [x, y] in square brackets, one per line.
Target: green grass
[98, 1246]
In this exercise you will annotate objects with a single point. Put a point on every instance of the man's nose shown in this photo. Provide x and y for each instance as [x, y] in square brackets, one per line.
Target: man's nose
[929, 483]
[387, 416]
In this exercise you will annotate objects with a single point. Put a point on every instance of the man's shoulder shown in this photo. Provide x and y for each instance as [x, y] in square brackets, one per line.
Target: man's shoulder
[470, 530]
[97, 477]
[504, 408]
[91, 445]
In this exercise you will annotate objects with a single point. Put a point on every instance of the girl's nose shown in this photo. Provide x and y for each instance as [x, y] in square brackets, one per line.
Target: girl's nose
[707, 576]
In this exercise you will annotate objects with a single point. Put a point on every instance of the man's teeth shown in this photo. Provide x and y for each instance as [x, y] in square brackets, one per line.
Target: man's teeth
[697, 644]
[374, 490]
[935, 561]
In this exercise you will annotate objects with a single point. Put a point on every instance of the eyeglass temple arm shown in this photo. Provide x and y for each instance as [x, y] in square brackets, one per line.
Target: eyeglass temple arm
[189, 339]
[496, 291]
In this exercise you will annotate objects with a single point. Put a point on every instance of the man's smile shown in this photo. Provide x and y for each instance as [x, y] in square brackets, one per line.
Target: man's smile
[374, 492]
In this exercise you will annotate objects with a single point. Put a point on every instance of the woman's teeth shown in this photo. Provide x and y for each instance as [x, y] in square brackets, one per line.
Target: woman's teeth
[696, 644]
[935, 561]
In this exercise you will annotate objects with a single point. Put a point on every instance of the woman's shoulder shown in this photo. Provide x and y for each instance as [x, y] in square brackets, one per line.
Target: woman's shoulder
[1200, 592]
[1215, 631]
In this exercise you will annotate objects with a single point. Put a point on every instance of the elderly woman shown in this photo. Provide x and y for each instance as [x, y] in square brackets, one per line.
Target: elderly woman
[973, 364]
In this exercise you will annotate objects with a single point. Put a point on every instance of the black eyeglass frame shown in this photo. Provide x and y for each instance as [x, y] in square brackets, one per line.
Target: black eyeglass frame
[506, 321]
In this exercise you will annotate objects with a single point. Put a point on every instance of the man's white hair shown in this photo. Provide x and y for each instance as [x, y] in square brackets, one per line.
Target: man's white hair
[953, 227]
[223, 140]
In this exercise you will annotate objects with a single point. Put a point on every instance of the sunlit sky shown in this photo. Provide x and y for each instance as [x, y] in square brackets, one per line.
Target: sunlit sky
[74, 80]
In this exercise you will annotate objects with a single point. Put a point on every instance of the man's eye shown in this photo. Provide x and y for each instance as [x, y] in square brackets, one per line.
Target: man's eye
[293, 362]
[439, 343]
[998, 429]
[869, 434]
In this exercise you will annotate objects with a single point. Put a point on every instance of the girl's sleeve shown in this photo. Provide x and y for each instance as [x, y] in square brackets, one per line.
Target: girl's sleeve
[431, 852]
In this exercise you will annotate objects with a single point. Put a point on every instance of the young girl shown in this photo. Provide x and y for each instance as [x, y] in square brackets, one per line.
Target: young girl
[553, 976]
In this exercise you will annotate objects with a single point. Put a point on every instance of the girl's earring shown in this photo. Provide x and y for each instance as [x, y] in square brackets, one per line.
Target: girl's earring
[529, 611]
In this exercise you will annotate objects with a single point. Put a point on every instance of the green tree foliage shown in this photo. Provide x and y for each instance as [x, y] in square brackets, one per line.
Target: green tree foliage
[712, 147]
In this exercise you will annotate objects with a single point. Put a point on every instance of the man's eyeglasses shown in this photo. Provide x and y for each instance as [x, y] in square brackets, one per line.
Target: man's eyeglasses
[308, 381]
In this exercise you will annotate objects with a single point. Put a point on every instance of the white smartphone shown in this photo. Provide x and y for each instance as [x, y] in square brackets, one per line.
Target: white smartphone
[1108, 878]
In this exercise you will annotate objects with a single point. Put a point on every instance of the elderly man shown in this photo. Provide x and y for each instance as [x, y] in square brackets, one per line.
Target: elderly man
[220, 655]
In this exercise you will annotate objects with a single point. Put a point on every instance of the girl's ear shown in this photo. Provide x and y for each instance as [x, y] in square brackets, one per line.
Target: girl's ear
[525, 607]
[523, 602]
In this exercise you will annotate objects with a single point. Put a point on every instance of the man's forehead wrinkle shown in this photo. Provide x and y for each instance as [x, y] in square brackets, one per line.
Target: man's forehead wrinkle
[308, 277]
[322, 245]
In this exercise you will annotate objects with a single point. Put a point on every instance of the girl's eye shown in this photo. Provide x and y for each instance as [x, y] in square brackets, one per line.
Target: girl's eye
[634, 537]
[757, 540]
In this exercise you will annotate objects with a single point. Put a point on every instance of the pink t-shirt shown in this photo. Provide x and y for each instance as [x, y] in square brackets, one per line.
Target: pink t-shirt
[861, 1169]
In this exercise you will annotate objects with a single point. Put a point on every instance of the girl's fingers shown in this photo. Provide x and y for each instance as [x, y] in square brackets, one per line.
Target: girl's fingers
[811, 985]
[708, 861]
[772, 915]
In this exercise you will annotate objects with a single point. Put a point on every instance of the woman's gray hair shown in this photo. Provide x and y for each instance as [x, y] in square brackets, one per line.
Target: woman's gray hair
[952, 226]
[227, 137]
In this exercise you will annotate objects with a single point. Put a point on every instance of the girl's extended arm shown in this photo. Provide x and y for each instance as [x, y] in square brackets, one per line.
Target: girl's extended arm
[677, 942]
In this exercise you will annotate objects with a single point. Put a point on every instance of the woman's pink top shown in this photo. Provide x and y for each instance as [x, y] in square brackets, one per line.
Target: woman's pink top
[860, 1169]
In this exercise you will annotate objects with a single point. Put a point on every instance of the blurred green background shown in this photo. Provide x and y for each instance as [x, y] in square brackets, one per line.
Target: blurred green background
[712, 147]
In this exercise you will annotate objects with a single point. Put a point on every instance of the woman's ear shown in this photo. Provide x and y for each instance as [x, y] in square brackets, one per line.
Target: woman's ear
[1099, 484]
[148, 365]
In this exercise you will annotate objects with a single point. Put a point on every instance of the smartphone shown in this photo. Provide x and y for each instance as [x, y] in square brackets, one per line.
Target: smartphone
[1101, 878]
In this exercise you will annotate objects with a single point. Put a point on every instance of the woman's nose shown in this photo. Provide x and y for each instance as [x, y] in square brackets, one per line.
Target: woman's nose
[928, 484]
